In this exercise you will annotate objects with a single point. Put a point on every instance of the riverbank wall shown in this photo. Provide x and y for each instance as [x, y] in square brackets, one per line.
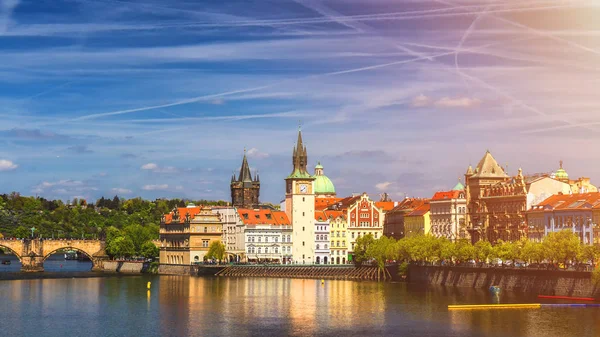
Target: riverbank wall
[192, 270]
[540, 282]
[124, 267]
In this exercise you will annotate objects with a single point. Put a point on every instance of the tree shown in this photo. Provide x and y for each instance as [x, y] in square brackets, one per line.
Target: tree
[360, 249]
[464, 250]
[562, 246]
[149, 250]
[21, 232]
[121, 246]
[216, 250]
[483, 249]
[589, 253]
[382, 250]
[138, 235]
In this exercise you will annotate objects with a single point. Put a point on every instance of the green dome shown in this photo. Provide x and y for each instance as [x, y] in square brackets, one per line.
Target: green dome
[459, 187]
[561, 173]
[323, 185]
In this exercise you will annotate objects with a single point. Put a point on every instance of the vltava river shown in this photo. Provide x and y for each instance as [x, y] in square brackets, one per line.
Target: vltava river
[194, 306]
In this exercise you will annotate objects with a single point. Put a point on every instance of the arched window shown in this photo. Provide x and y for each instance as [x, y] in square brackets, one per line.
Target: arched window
[318, 247]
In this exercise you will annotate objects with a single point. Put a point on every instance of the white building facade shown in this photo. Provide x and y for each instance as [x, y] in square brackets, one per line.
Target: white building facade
[322, 248]
[233, 233]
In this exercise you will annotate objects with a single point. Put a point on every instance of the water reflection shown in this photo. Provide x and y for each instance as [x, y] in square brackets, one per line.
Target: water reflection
[188, 306]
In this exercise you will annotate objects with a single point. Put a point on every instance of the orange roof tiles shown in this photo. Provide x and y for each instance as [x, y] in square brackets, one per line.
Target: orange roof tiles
[408, 204]
[569, 202]
[323, 203]
[385, 206]
[446, 195]
[192, 211]
[263, 217]
[324, 215]
[421, 210]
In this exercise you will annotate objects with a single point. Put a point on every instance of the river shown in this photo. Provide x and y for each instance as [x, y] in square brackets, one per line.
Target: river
[196, 306]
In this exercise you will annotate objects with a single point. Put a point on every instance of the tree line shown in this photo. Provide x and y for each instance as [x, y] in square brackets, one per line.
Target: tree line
[559, 248]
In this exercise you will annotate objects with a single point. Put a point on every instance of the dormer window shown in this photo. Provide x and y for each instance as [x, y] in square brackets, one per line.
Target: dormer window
[245, 215]
[257, 216]
[268, 216]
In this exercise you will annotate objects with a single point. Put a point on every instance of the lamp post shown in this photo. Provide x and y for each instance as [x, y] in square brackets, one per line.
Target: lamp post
[32, 230]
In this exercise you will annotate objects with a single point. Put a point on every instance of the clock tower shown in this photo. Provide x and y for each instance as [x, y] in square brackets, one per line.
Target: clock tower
[300, 205]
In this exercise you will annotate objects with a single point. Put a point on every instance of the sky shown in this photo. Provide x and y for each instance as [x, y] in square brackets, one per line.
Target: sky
[160, 98]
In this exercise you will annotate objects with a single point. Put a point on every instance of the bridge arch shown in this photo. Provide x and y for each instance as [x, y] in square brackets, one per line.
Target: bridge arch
[67, 247]
[12, 250]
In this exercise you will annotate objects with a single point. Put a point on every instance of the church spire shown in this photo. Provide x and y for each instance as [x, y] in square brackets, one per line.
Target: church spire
[300, 158]
[245, 174]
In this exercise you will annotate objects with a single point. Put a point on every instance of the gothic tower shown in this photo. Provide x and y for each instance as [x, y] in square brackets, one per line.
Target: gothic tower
[244, 189]
[300, 205]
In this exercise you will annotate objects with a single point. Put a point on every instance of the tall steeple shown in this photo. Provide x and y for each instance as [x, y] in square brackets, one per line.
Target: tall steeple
[300, 157]
[245, 175]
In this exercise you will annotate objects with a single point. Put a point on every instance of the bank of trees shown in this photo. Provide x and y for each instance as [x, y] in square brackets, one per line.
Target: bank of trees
[560, 248]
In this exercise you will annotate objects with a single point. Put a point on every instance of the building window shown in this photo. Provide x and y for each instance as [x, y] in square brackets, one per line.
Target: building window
[375, 235]
[259, 250]
[302, 243]
[259, 238]
[303, 199]
[205, 229]
[303, 229]
[276, 250]
[353, 235]
[318, 247]
[204, 243]
[276, 239]
[302, 213]
[266, 250]
[325, 246]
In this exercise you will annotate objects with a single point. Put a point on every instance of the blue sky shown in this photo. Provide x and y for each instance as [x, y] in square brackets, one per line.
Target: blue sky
[160, 98]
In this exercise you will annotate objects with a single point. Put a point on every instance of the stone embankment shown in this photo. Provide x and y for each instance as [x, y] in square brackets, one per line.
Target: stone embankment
[531, 281]
[124, 266]
[305, 272]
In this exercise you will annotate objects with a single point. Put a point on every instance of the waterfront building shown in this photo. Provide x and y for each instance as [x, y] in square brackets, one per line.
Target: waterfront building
[322, 251]
[575, 212]
[233, 232]
[323, 186]
[186, 234]
[418, 221]
[245, 190]
[496, 202]
[268, 235]
[394, 223]
[448, 213]
[300, 205]
[362, 217]
[337, 233]
[580, 185]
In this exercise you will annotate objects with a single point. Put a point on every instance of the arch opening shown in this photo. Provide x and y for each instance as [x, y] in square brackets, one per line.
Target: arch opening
[10, 261]
[57, 261]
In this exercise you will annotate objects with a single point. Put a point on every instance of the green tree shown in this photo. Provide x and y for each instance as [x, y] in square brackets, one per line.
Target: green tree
[361, 247]
[483, 250]
[589, 253]
[382, 250]
[464, 250]
[138, 235]
[149, 250]
[121, 246]
[216, 250]
[563, 246]
[21, 232]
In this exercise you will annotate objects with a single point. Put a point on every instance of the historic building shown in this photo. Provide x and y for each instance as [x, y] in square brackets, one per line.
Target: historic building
[186, 234]
[233, 232]
[338, 246]
[394, 223]
[580, 185]
[300, 205]
[496, 202]
[448, 213]
[361, 216]
[268, 235]
[323, 186]
[322, 251]
[575, 212]
[418, 221]
[245, 190]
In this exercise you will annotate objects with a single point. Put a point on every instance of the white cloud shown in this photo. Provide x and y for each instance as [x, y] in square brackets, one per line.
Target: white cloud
[255, 153]
[121, 190]
[217, 101]
[65, 187]
[421, 101]
[161, 187]
[7, 165]
[158, 169]
[149, 166]
[445, 102]
[383, 186]
[459, 102]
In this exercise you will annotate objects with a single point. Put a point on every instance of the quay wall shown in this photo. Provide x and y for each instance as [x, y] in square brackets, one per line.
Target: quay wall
[123, 267]
[540, 282]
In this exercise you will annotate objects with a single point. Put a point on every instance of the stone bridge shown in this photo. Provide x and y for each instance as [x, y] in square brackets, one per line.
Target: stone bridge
[33, 253]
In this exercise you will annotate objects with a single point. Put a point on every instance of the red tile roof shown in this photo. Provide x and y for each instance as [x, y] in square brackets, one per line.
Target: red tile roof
[323, 203]
[409, 204]
[263, 217]
[446, 195]
[324, 215]
[421, 210]
[385, 206]
[569, 202]
[192, 211]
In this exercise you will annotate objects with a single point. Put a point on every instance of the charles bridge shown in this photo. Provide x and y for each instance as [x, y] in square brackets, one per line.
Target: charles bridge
[33, 252]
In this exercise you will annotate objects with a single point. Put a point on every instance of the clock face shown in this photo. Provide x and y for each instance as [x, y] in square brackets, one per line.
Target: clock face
[303, 188]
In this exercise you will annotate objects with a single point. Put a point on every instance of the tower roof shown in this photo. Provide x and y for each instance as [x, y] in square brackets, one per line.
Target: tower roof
[323, 185]
[300, 159]
[459, 187]
[245, 175]
[488, 167]
[561, 173]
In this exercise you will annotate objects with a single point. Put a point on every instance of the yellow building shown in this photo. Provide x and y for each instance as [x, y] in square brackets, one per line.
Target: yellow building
[337, 234]
[186, 233]
[418, 221]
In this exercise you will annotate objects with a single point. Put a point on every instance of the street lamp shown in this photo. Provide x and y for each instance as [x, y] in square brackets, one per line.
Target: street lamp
[32, 230]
